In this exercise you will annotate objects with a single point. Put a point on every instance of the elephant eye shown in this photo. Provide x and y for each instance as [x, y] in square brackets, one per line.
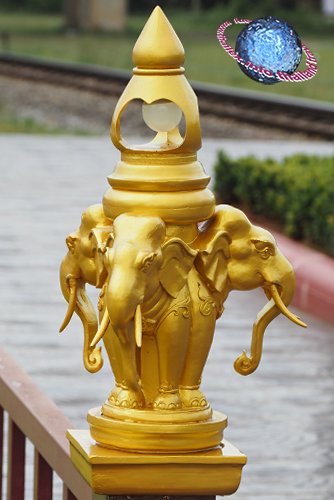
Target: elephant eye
[265, 248]
[265, 254]
[147, 261]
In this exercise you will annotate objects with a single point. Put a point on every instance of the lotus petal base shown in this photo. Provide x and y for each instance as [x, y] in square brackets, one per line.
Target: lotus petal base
[156, 436]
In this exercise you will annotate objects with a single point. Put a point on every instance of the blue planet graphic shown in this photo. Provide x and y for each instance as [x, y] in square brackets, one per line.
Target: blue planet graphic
[270, 43]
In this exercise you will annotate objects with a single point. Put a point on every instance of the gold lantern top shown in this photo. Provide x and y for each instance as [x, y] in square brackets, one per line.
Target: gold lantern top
[163, 176]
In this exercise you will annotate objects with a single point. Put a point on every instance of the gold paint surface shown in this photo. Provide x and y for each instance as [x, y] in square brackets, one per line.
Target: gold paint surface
[175, 177]
[179, 416]
[213, 472]
[165, 258]
[174, 207]
[170, 53]
[177, 192]
[189, 431]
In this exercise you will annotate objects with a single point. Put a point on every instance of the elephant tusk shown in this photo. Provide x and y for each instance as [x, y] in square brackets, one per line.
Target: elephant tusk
[102, 329]
[284, 310]
[72, 283]
[138, 326]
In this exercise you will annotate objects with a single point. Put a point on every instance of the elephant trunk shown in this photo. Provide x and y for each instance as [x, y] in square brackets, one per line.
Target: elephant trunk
[124, 298]
[280, 294]
[74, 292]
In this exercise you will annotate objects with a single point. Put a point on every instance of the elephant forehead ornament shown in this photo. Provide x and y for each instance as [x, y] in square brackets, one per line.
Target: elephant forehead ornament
[164, 274]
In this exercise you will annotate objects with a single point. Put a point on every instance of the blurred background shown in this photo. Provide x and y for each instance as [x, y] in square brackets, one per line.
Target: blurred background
[282, 417]
[103, 32]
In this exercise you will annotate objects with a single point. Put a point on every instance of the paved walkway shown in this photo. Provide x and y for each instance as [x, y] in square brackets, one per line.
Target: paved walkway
[281, 417]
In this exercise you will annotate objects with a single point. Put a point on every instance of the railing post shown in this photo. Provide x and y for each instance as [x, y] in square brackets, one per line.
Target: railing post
[67, 494]
[16, 462]
[1, 448]
[43, 476]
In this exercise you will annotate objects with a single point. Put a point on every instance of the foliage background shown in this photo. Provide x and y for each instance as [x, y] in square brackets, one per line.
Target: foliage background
[297, 193]
[239, 7]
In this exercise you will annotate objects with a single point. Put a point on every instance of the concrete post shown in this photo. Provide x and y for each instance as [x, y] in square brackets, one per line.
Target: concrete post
[328, 7]
[106, 15]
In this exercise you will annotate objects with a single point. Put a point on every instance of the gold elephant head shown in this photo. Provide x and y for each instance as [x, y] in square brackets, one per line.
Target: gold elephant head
[82, 265]
[233, 254]
[140, 262]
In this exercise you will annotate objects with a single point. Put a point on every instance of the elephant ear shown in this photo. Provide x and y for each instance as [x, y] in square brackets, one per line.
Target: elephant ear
[178, 259]
[101, 238]
[71, 242]
[211, 262]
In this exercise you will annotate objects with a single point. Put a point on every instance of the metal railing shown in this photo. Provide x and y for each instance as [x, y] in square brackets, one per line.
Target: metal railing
[32, 415]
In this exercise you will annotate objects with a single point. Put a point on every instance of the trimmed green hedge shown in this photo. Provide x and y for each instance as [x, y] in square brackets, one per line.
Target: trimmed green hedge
[297, 192]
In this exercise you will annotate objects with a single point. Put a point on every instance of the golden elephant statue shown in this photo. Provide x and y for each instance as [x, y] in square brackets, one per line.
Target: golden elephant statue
[155, 286]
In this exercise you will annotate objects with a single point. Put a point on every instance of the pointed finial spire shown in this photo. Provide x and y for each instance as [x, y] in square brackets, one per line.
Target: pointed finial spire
[158, 46]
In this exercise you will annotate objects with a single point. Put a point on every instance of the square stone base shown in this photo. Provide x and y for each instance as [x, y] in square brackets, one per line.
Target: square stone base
[114, 472]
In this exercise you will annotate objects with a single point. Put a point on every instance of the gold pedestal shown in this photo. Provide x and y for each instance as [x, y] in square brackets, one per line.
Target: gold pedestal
[158, 437]
[114, 472]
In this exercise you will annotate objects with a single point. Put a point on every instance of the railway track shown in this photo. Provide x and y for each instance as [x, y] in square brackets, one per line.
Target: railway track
[313, 118]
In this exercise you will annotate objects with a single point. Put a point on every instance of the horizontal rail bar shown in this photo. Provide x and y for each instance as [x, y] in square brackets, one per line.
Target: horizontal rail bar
[213, 90]
[285, 112]
[1, 447]
[102, 72]
[41, 421]
[208, 89]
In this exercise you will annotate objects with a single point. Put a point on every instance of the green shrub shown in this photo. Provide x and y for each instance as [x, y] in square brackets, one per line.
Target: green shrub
[297, 192]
